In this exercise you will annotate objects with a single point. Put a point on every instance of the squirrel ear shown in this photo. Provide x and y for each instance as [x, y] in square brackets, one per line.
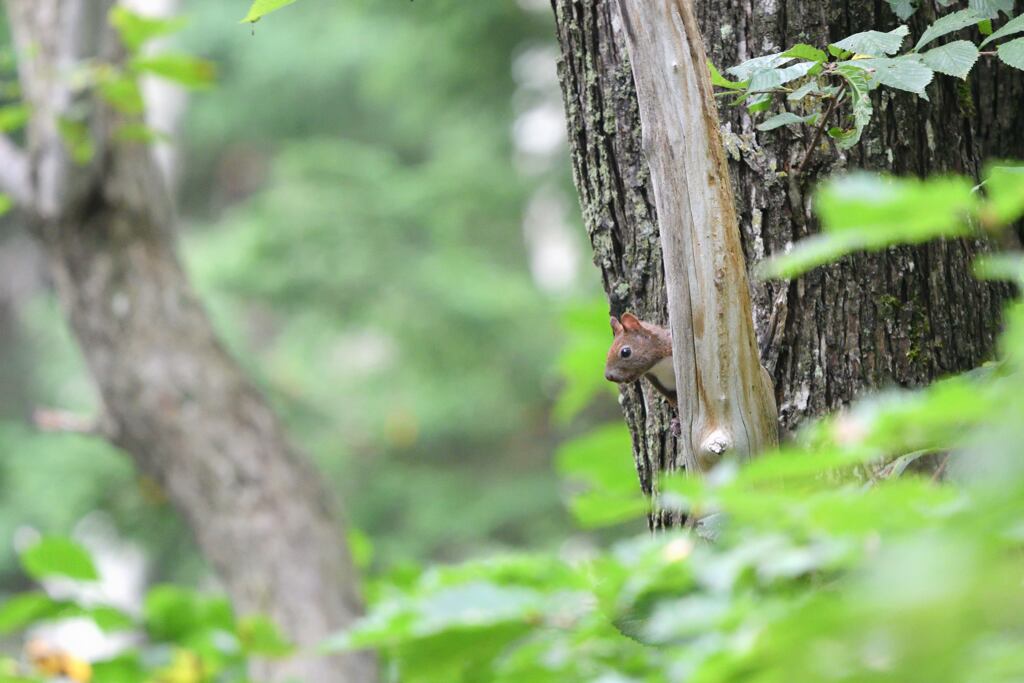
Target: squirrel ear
[616, 326]
[630, 322]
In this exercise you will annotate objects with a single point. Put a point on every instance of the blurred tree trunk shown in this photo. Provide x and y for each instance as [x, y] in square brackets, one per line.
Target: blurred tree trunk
[903, 317]
[173, 398]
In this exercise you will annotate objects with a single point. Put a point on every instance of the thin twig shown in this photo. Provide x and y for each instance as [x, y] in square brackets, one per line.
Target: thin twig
[64, 422]
[817, 135]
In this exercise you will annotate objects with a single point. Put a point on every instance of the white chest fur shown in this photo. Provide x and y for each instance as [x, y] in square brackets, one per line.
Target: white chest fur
[665, 373]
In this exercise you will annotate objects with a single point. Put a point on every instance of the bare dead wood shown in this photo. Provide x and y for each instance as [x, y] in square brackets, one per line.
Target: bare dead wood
[726, 399]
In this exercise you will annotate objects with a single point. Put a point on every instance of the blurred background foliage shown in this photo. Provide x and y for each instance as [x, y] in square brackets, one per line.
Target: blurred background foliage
[367, 200]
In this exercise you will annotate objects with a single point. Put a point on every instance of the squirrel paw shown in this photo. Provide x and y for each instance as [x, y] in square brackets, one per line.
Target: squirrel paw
[675, 427]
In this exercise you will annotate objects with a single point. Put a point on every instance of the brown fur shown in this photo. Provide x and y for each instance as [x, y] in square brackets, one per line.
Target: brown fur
[648, 344]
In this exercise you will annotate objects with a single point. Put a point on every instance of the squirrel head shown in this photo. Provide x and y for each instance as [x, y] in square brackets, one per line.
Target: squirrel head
[637, 347]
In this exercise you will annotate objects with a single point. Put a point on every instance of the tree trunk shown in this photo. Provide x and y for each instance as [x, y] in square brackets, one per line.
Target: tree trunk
[173, 398]
[903, 317]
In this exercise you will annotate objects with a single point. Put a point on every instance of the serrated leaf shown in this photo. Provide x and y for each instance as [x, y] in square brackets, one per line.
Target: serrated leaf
[874, 43]
[746, 69]
[1015, 25]
[953, 59]
[903, 73]
[261, 8]
[991, 8]
[721, 81]
[805, 51]
[903, 8]
[766, 79]
[786, 118]
[186, 70]
[58, 556]
[948, 24]
[136, 30]
[1012, 53]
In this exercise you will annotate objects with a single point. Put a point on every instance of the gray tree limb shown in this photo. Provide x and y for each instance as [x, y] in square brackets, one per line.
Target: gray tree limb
[173, 398]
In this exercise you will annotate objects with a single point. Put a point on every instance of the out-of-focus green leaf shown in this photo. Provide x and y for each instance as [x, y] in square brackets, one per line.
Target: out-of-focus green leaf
[27, 609]
[185, 70]
[1004, 190]
[77, 139]
[13, 117]
[172, 613]
[260, 636]
[122, 92]
[261, 8]
[58, 556]
[863, 211]
[136, 29]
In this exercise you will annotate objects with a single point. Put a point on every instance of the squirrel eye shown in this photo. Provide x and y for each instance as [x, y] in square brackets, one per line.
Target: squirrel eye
[626, 352]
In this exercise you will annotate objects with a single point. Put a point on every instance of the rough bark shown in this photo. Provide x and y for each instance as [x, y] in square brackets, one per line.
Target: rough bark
[726, 401]
[902, 317]
[173, 398]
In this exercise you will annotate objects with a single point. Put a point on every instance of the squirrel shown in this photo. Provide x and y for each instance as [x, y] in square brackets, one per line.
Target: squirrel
[642, 350]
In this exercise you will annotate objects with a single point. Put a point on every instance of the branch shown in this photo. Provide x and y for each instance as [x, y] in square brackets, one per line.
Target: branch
[14, 173]
[64, 422]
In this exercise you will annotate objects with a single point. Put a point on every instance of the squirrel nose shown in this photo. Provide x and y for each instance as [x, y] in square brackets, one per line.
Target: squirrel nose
[609, 375]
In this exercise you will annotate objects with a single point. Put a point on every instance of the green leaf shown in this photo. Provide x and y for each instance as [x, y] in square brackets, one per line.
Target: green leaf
[13, 117]
[903, 8]
[172, 613]
[1012, 53]
[991, 8]
[58, 556]
[862, 211]
[28, 609]
[953, 59]
[261, 8]
[136, 30]
[805, 90]
[109, 619]
[721, 81]
[186, 70]
[260, 636]
[600, 460]
[759, 103]
[1004, 190]
[1015, 25]
[805, 51]
[122, 92]
[949, 24]
[125, 668]
[786, 118]
[985, 27]
[767, 79]
[903, 73]
[6, 204]
[874, 43]
[857, 80]
[747, 69]
[77, 139]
